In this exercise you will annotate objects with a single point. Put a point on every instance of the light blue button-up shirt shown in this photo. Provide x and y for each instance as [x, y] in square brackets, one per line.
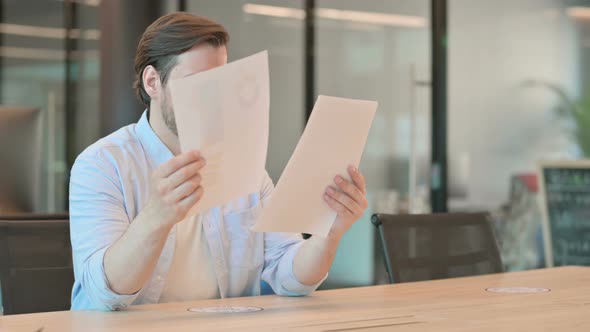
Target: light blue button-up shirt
[109, 186]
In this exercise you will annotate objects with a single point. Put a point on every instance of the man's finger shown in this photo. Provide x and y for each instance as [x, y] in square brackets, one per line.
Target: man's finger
[188, 171]
[344, 200]
[350, 189]
[176, 163]
[191, 199]
[185, 189]
[335, 205]
[358, 179]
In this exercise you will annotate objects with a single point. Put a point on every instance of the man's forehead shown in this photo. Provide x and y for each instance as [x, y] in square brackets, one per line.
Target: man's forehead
[198, 59]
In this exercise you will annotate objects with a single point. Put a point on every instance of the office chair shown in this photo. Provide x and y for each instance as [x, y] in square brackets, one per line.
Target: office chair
[36, 273]
[437, 246]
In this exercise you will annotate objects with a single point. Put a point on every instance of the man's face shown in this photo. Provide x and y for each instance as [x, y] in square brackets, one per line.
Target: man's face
[197, 59]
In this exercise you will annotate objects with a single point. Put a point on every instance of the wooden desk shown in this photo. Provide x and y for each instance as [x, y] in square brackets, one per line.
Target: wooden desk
[460, 304]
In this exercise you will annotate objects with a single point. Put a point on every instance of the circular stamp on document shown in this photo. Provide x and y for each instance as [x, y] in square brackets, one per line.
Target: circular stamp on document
[518, 290]
[225, 309]
[248, 90]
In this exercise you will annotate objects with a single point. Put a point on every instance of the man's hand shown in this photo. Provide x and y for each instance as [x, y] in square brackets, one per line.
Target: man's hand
[348, 199]
[176, 187]
[315, 256]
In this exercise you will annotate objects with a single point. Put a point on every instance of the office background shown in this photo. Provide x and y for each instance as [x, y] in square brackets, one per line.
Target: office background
[496, 100]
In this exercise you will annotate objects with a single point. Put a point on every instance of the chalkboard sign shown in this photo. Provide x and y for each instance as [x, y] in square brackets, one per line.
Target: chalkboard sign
[565, 195]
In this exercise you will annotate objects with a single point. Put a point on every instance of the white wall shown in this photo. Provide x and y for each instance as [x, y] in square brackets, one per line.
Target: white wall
[283, 38]
[375, 62]
[497, 126]
[354, 60]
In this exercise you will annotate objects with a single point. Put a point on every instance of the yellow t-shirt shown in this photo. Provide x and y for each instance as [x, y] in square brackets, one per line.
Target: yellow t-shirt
[192, 275]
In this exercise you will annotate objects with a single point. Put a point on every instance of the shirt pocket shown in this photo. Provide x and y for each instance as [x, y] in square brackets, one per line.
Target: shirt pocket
[245, 248]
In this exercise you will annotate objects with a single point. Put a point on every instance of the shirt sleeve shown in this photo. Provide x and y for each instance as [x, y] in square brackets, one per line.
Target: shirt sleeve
[97, 219]
[280, 250]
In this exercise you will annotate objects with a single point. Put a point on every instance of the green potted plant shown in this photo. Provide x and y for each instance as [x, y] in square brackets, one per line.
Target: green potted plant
[576, 111]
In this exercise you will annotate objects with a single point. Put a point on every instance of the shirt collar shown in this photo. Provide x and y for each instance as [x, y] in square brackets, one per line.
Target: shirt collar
[156, 150]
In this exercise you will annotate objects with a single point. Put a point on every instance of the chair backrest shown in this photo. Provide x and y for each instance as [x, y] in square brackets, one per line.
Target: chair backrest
[36, 273]
[437, 246]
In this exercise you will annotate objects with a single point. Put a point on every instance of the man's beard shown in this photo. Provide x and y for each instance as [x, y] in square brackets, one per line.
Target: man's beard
[168, 115]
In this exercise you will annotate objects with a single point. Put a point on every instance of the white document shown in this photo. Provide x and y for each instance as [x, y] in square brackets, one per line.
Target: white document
[223, 113]
[334, 138]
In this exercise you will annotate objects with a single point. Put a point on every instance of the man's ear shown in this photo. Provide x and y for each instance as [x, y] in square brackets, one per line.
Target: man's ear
[151, 82]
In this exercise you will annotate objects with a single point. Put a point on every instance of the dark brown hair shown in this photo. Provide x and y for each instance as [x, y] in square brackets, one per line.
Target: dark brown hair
[166, 38]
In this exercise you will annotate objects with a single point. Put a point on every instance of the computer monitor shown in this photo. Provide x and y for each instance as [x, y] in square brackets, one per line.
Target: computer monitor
[20, 160]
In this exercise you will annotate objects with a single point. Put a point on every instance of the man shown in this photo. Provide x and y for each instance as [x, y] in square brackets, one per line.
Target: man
[130, 193]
